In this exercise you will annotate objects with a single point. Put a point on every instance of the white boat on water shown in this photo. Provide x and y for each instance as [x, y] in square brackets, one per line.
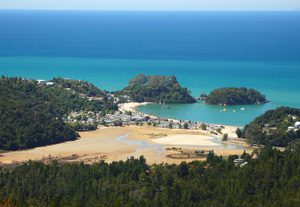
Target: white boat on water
[165, 107]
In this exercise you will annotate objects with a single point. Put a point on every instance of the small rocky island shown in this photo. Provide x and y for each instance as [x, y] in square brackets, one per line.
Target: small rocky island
[158, 89]
[234, 96]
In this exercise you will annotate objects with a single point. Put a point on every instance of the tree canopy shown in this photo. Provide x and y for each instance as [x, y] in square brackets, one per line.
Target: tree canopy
[159, 89]
[271, 180]
[31, 113]
[272, 127]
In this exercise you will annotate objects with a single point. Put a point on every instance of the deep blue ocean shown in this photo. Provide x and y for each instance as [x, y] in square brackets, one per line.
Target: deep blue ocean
[204, 50]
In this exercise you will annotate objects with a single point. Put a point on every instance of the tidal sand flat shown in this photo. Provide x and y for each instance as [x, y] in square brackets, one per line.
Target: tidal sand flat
[188, 140]
[119, 143]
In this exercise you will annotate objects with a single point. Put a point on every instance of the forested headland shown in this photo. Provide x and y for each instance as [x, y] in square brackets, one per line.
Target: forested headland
[276, 127]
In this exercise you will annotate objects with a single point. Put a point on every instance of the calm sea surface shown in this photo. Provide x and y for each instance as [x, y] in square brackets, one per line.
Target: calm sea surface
[203, 50]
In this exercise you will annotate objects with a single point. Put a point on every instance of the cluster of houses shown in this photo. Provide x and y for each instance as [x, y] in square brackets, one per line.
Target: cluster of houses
[134, 118]
[89, 117]
[267, 129]
[127, 118]
[83, 117]
[294, 128]
[272, 130]
[137, 118]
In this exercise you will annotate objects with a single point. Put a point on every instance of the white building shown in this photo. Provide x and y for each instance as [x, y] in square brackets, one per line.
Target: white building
[41, 81]
[49, 83]
[291, 128]
[297, 124]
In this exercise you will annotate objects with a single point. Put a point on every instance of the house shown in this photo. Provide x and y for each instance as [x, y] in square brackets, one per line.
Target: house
[269, 130]
[291, 128]
[254, 156]
[243, 164]
[272, 130]
[49, 83]
[41, 81]
[238, 162]
[297, 124]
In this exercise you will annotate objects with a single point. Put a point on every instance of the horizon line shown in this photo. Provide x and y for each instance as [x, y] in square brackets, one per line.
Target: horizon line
[153, 10]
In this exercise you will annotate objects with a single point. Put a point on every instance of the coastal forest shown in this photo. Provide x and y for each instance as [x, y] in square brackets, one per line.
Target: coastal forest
[31, 112]
[159, 89]
[273, 179]
[235, 96]
[275, 127]
[31, 115]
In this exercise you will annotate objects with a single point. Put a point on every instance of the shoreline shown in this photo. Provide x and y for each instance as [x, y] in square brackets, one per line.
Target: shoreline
[132, 107]
[228, 129]
[119, 143]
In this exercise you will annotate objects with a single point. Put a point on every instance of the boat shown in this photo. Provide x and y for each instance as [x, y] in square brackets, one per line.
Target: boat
[165, 107]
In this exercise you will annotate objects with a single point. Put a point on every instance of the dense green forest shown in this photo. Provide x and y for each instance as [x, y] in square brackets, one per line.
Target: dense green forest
[159, 89]
[272, 127]
[31, 113]
[271, 180]
[235, 96]
[79, 86]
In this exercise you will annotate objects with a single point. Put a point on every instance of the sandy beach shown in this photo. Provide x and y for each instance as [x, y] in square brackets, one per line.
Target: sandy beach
[131, 106]
[119, 143]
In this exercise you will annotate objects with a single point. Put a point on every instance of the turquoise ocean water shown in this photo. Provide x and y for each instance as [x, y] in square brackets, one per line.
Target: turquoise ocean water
[203, 50]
